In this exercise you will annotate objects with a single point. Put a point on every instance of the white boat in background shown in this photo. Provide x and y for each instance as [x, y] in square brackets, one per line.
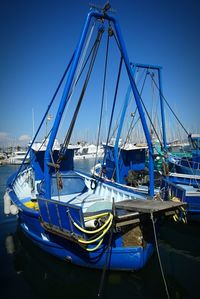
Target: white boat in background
[41, 146]
[89, 151]
[17, 157]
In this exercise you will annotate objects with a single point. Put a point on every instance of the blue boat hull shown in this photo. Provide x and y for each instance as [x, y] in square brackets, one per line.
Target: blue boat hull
[189, 194]
[120, 258]
[185, 167]
[185, 180]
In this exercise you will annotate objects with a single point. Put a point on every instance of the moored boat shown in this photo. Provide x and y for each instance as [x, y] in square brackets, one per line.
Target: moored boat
[77, 217]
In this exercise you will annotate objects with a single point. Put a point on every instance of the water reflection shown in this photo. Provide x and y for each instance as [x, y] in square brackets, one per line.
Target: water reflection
[47, 277]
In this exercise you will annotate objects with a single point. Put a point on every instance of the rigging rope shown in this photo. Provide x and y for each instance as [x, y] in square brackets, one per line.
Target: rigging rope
[113, 108]
[151, 123]
[68, 136]
[103, 93]
[140, 97]
[80, 69]
[141, 91]
[159, 259]
[169, 106]
[44, 117]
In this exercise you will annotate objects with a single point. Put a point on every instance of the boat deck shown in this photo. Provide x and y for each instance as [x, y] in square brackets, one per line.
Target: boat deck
[149, 206]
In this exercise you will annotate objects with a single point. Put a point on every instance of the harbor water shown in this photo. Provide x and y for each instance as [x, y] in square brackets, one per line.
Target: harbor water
[28, 272]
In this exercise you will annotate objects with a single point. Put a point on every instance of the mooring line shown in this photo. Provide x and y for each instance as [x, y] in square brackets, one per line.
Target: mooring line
[159, 259]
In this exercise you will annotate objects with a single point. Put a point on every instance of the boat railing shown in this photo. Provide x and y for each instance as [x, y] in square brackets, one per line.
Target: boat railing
[58, 217]
[191, 164]
[171, 190]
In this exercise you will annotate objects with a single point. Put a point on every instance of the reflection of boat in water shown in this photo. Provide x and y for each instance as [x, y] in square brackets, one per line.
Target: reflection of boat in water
[44, 276]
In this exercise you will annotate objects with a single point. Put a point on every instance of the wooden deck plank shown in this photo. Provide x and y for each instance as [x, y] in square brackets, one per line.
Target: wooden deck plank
[148, 206]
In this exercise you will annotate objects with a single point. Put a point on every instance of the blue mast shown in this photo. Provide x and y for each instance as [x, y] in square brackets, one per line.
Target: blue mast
[162, 110]
[159, 69]
[101, 16]
[116, 148]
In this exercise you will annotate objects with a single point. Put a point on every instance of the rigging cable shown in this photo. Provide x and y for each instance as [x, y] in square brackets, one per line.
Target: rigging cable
[131, 125]
[103, 93]
[116, 125]
[170, 107]
[108, 253]
[80, 69]
[113, 107]
[141, 99]
[158, 254]
[68, 135]
[45, 115]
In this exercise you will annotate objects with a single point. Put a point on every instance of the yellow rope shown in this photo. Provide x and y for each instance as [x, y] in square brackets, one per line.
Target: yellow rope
[96, 247]
[99, 237]
[94, 231]
[96, 216]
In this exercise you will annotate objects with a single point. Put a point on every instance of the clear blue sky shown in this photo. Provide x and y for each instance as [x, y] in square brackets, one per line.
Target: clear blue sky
[38, 39]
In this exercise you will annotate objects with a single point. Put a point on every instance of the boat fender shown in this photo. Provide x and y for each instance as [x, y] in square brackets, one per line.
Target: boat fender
[94, 223]
[93, 184]
[7, 203]
[14, 210]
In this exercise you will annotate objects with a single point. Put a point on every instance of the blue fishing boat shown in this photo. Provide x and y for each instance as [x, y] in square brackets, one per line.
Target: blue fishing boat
[184, 173]
[80, 218]
[181, 176]
[188, 165]
[177, 175]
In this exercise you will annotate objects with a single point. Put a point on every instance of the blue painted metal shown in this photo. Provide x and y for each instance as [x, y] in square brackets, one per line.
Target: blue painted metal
[127, 160]
[37, 162]
[59, 215]
[159, 69]
[121, 123]
[128, 259]
[162, 110]
[65, 96]
[116, 148]
[54, 213]
[191, 180]
[194, 140]
[146, 66]
[140, 110]
[63, 103]
[185, 193]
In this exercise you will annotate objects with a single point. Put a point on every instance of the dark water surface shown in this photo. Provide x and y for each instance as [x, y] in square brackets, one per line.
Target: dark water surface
[28, 272]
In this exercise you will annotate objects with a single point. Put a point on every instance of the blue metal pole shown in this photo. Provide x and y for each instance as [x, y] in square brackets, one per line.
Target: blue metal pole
[158, 68]
[162, 110]
[62, 105]
[63, 102]
[116, 148]
[146, 66]
[139, 106]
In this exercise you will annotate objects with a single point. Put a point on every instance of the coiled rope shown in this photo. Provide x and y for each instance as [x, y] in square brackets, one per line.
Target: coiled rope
[101, 230]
